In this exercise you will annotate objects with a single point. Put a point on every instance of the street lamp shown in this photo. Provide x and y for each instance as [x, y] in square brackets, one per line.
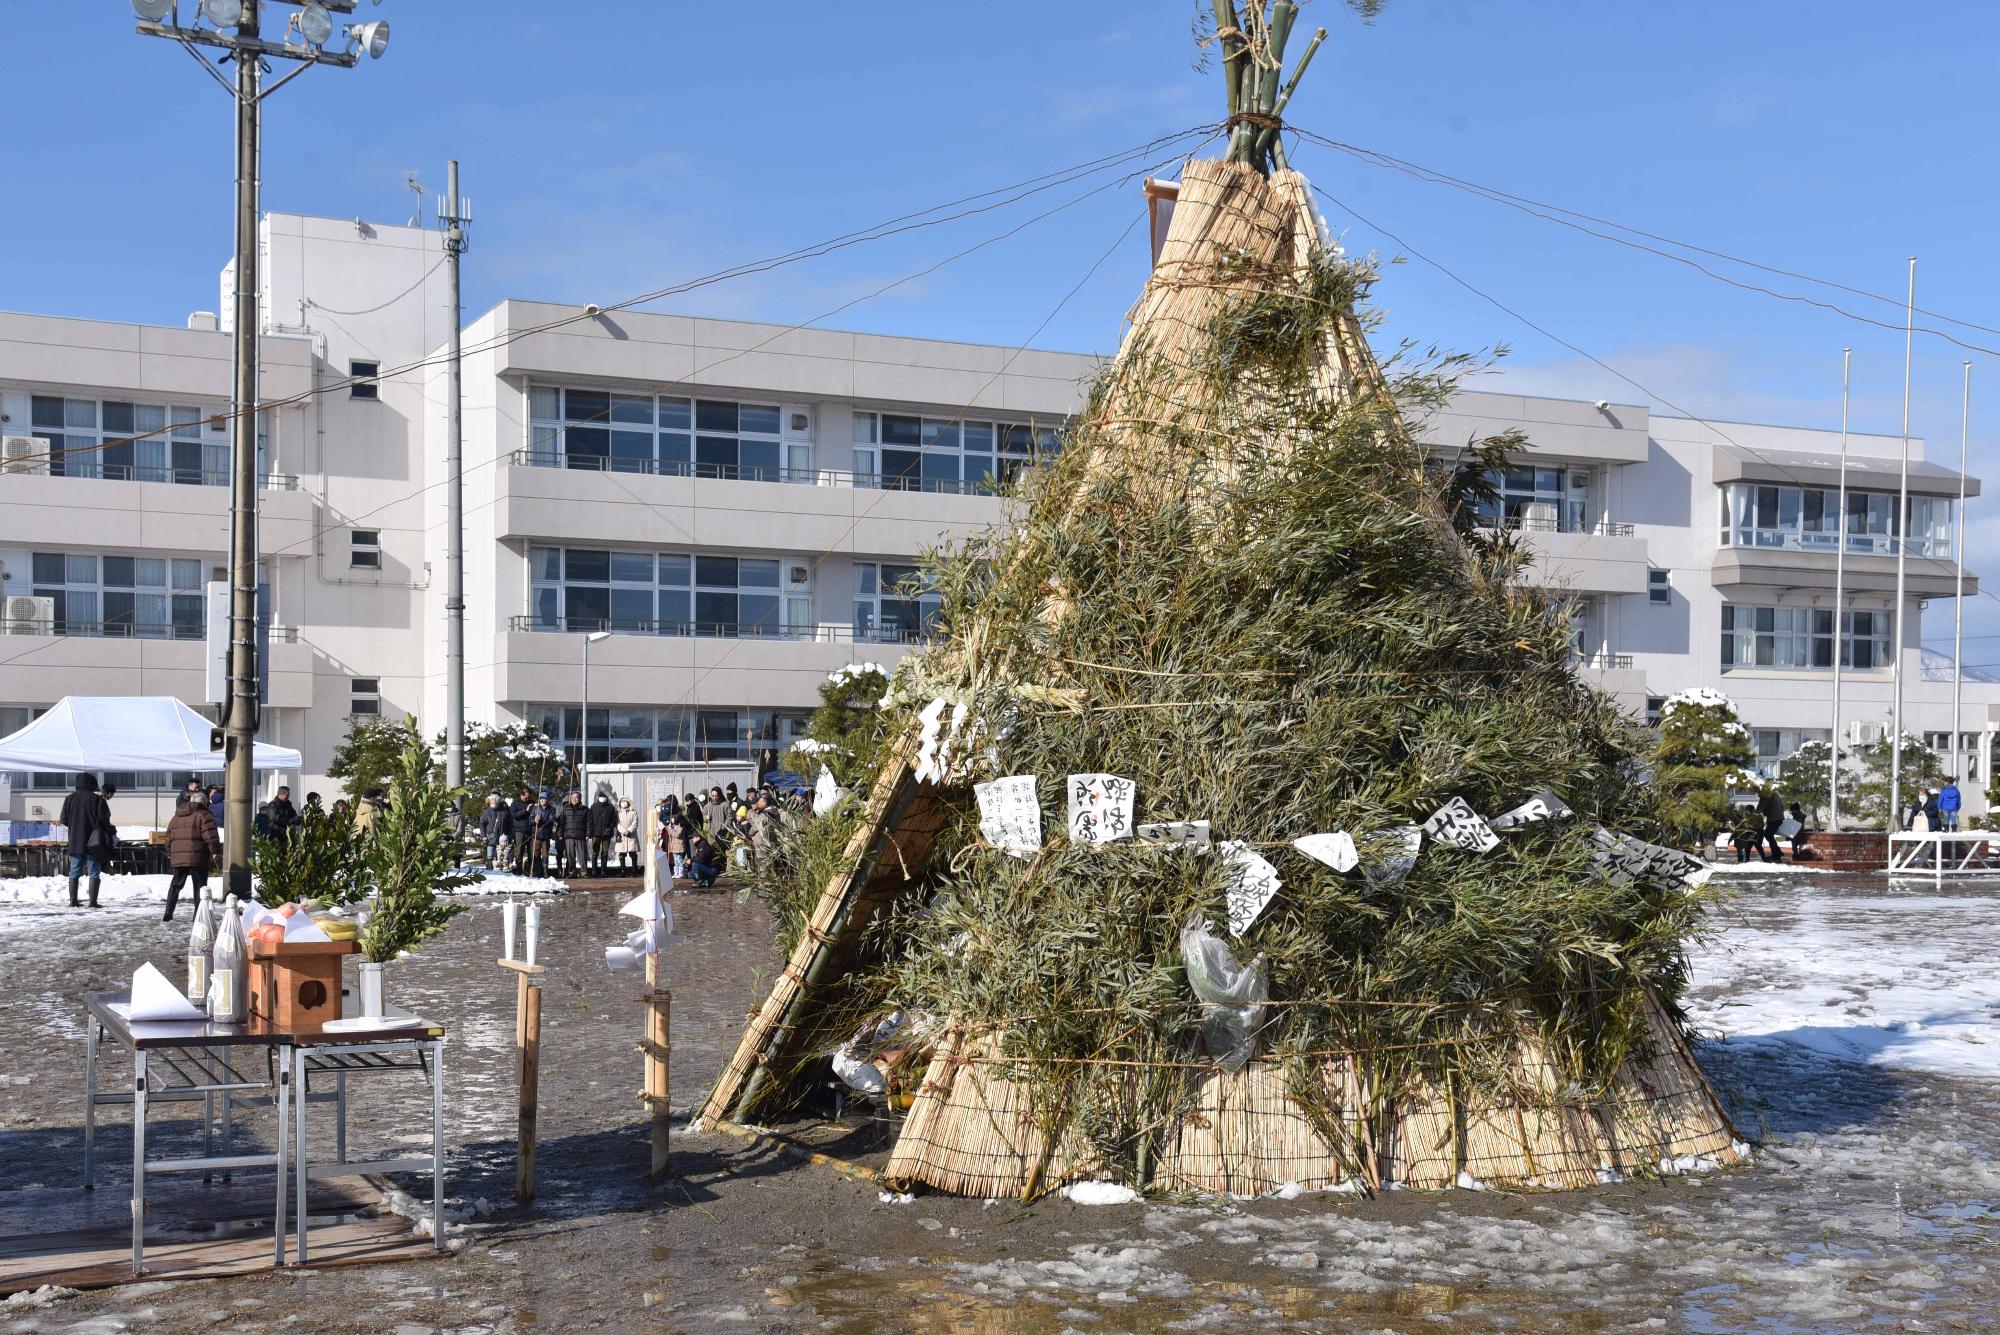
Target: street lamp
[583, 750]
[236, 32]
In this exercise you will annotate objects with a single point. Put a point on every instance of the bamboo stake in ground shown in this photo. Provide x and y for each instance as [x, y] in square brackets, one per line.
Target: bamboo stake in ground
[527, 1071]
[659, 1055]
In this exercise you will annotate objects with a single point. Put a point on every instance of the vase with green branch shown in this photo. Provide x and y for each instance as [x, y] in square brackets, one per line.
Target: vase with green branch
[408, 857]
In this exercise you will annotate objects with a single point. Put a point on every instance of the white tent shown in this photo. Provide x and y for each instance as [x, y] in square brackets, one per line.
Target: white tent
[124, 732]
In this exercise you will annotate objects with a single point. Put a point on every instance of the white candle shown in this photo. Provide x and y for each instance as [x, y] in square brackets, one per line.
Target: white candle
[534, 929]
[507, 929]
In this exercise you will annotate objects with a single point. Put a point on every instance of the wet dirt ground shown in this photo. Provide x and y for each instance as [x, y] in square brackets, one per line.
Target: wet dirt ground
[1851, 1027]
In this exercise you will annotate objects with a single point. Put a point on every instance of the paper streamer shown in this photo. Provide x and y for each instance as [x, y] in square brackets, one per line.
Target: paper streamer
[1544, 805]
[1391, 853]
[1010, 813]
[1457, 825]
[1100, 808]
[1185, 833]
[1252, 882]
[1335, 849]
[932, 717]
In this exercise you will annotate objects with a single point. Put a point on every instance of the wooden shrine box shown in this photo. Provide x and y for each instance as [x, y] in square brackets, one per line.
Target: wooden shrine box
[296, 984]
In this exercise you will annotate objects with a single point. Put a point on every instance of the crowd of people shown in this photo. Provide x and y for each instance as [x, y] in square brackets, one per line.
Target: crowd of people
[698, 835]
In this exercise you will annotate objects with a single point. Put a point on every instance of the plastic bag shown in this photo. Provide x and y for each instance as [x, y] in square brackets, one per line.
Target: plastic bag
[1232, 994]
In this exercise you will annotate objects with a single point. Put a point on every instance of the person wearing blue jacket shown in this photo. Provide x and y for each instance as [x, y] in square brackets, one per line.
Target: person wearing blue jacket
[1948, 802]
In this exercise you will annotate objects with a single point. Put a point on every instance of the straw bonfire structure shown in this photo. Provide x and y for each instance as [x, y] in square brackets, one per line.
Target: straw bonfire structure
[1242, 587]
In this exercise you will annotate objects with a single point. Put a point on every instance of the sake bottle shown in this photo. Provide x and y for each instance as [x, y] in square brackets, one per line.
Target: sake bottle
[229, 974]
[201, 944]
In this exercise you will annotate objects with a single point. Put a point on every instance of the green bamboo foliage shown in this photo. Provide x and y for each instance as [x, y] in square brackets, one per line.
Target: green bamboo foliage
[409, 856]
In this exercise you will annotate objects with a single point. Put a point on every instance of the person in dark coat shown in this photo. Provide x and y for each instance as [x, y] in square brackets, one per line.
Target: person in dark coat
[704, 864]
[193, 845]
[521, 830]
[284, 817]
[575, 825]
[88, 819]
[493, 823]
[1772, 808]
[215, 803]
[546, 819]
[603, 825]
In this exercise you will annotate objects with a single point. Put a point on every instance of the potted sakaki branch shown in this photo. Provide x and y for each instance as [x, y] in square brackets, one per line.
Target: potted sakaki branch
[409, 856]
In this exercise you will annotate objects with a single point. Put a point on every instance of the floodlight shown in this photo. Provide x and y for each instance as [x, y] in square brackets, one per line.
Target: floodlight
[372, 37]
[223, 13]
[315, 24]
[152, 10]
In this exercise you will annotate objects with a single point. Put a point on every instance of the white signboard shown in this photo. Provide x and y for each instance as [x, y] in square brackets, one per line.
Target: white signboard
[1010, 813]
[1336, 849]
[1457, 825]
[1252, 882]
[1100, 808]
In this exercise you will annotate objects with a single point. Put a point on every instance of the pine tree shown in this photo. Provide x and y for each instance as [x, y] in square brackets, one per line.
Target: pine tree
[1805, 778]
[1921, 769]
[409, 855]
[1703, 752]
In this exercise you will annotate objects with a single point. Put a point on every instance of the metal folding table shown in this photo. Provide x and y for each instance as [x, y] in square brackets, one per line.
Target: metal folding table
[413, 1045]
[180, 1061]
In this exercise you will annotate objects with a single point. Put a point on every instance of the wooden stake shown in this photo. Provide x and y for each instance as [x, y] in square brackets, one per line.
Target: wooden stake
[658, 1050]
[527, 1071]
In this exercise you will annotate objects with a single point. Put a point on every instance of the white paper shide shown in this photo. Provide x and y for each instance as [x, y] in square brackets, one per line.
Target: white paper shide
[1100, 808]
[1544, 805]
[1457, 825]
[1335, 848]
[1182, 833]
[1252, 882]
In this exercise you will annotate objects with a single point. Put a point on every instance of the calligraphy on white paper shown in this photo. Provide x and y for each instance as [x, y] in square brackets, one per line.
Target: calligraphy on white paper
[1544, 805]
[1100, 808]
[1185, 833]
[1010, 814]
[1252, 882]
[1457, 825]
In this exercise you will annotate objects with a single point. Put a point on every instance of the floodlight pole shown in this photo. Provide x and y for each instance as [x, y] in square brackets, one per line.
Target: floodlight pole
[245, 45]
[454, 598]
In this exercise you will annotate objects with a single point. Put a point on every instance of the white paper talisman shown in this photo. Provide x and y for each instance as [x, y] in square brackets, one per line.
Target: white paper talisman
[1335, 849]
[1544, 805]
[1186, 833]
[1252, 882]
[1100, 808]
[1457, 825]
[1010, 813]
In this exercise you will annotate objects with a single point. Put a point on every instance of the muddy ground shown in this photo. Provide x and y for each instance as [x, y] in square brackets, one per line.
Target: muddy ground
[1871, 1204]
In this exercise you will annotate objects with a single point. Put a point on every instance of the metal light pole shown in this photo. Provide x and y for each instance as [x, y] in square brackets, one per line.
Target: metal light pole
[1839, 595]
[583, 748]
[454, 214]
[1895, 822]
[237, 31]
[1958, 582]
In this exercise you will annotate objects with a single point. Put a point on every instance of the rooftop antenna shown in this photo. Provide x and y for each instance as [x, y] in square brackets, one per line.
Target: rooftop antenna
[416, 187]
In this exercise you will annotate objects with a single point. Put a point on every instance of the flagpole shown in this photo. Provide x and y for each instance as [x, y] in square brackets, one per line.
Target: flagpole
[1895, 820]
[1840, 638]
[1958, 579]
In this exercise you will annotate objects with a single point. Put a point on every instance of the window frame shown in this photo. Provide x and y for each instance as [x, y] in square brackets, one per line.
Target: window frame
[364, 697]
[364, 549]
[361, 379]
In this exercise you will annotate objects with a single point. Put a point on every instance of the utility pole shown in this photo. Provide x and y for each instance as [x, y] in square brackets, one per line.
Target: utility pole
[236, 30]
[454, 214]
[1902, 531]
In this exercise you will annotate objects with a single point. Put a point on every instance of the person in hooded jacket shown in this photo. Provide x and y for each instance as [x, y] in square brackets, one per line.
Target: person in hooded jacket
[87, 817]
[603, 825]
[193, 845]
[628, 835]
[492, 828]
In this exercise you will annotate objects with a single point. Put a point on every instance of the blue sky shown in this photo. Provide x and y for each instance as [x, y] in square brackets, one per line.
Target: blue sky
[617, 147]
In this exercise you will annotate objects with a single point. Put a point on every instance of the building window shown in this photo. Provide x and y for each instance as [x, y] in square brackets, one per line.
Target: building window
[131, 442]
[1808, 519]
[1548, 500]
[1939, 744]
[669, 593]
[1801, 638]
[1659, 587]
[364, 548]
[893, 604]
[636, 734]
[1655, 704]
[362, 382]
[901, 452]
[364, 695]
[143, 597]
[617, 431]
[1775, 746]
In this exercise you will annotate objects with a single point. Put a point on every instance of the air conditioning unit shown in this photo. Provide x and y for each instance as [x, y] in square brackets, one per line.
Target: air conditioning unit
[24, 454]
[1860, 732]
[798, 574]
[28, 615]
[1539, 517]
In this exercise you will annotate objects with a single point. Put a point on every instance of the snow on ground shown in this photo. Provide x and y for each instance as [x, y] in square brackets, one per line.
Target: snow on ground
[1882, 977]
[31, 899]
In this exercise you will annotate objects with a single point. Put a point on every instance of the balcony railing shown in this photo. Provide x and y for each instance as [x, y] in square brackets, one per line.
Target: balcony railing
[719, 630]
[123, 630]
[801, 477]
[184, 477]
[1858, 544]
[1603, 528]
[1604, 662]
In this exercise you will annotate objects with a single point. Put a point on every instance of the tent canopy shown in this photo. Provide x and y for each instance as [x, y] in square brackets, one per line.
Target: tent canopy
[124, 732]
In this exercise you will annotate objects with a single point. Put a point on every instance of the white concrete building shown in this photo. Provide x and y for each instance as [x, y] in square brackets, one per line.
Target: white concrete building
[737, 503]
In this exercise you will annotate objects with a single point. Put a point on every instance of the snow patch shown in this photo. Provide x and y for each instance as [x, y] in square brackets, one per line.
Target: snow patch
[1099, 1193]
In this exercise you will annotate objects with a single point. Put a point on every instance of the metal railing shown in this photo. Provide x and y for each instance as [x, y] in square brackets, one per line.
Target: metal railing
[183, 477]
[123, 630]
[1603, 528]
[718, 630]
[1604, 662]
[1858, 544]
[799, 477]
